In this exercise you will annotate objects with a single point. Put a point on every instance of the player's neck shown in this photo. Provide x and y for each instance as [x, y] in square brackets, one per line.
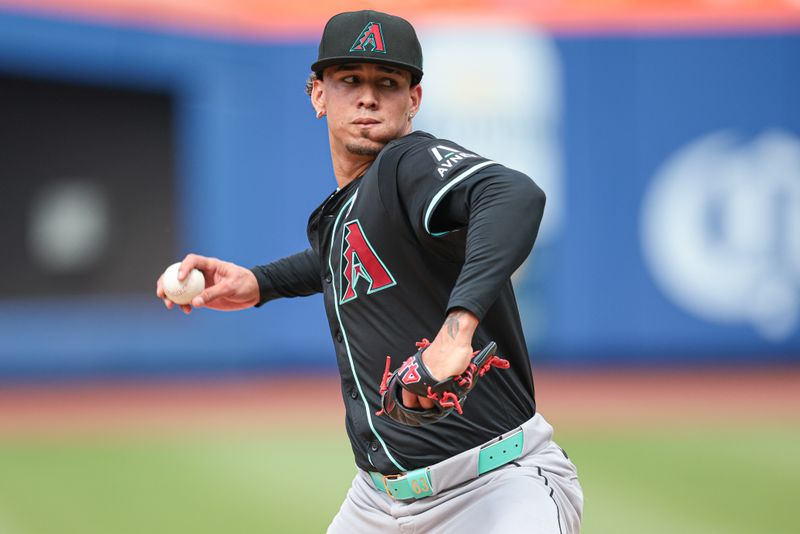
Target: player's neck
[349, 167]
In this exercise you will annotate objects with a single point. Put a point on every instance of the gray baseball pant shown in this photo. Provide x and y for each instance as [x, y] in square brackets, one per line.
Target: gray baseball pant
[537, 493]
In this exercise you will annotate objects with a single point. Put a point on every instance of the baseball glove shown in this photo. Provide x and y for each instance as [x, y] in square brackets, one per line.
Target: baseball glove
[448, 394]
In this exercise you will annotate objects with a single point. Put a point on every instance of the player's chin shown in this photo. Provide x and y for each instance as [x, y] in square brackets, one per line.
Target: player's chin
[365, 147]
[370, 141]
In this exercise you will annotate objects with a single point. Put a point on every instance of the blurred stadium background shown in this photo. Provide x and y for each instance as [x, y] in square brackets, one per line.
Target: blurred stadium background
[662, 302]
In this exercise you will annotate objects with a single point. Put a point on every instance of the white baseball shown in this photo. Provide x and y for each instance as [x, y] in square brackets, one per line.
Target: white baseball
[182, 292]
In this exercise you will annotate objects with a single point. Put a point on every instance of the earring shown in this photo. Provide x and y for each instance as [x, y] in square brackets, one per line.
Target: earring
[410, 115]
[320, 114]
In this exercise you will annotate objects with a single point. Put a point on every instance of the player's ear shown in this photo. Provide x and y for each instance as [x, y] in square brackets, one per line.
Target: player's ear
[415, 94]
[318, 97]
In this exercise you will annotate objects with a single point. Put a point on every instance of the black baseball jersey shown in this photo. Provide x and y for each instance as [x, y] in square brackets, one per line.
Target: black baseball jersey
[395, 250]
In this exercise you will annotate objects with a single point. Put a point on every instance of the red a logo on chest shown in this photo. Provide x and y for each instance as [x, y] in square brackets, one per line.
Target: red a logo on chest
[359, 260]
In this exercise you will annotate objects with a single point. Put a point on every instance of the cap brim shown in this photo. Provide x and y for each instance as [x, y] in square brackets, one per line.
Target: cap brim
[319, 66]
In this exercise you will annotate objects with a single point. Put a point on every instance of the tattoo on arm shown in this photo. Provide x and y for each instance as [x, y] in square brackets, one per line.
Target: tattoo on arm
[452, 323]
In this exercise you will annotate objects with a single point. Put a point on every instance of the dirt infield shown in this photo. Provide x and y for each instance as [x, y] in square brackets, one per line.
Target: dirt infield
[568, 398]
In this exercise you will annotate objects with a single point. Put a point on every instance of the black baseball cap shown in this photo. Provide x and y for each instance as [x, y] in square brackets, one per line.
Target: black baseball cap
[370, 36]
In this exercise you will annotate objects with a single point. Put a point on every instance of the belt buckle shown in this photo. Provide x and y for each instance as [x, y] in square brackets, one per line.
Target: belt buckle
[386, 484]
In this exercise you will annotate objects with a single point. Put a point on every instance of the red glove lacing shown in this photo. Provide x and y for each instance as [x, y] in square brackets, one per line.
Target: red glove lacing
[494, 361]
[447, 399]
[387, 373]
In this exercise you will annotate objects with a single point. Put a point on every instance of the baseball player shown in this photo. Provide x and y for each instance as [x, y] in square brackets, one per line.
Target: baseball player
[413, 252]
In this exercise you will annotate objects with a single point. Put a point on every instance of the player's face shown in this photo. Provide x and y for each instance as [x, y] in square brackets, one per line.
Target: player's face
[367, 105]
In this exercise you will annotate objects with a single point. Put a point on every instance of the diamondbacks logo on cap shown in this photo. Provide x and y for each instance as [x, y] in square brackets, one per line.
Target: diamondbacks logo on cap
[370, 39]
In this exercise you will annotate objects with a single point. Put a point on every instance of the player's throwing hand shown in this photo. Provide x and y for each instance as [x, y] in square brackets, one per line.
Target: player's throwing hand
[228, 286]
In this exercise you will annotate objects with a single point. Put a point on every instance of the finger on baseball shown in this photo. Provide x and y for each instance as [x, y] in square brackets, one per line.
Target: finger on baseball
[193, 261]
[168, 303]
[160, 287]
[212, 293]
[186, 309]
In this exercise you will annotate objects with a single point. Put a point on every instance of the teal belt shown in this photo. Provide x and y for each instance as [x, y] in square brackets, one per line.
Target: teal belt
[417, 484]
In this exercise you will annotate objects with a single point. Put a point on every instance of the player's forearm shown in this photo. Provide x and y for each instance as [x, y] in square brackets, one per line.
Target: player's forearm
[451, 350]
[459, 326]
[294, 276]
[504, 217]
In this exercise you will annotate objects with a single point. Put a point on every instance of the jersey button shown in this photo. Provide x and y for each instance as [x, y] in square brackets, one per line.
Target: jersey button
[328, 278]
[353, 393]
[373, 446]
[339, 336]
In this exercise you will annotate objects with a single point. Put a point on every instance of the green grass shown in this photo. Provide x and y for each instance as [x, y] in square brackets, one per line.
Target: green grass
[710, 481]
[193, 485]
[691, 481]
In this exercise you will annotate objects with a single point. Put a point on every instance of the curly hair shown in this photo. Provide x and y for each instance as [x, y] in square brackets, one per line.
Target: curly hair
[310, 82]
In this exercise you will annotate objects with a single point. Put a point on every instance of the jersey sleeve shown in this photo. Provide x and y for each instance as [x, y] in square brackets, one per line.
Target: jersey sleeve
[294, 276]
[428, 170]
[444, 187]
[502, 213]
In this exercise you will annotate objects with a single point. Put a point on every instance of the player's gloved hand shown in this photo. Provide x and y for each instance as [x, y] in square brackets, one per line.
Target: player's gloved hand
[445, 395]
[443, 358]
[228, 286]
[448, 354]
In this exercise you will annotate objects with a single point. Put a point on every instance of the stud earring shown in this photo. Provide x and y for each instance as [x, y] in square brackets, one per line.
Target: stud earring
[320, 114]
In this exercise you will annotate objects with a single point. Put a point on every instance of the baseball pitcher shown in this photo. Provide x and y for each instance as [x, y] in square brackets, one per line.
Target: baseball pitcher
[413, 253]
